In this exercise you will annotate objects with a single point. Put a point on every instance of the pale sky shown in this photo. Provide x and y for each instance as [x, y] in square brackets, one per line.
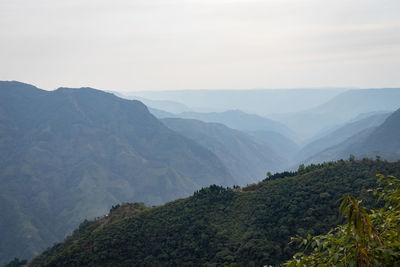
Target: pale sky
[130, 45]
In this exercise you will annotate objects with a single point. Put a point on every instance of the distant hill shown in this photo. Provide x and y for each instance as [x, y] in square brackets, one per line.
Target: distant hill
[340, 109]
[385, 139]
[240, 120]
[382, 140]
[247, 158]
[255, 101]
[355, 102]
[272, 133]
[340, 135]
[70, 154]
[248, 226]
[277, 142]
[166, 105]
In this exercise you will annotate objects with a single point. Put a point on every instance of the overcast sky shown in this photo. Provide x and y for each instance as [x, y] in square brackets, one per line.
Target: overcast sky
[128, 45]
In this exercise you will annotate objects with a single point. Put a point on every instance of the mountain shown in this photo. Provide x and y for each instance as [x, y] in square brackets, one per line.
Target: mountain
[328, 130]
[340, 135]
[240, 120]
[247, 158]
[248, 226]
[386, 137]
[70, 154]
[354, 102]
[381, 141]
[277, 142]
[254, 101]
[340, 109]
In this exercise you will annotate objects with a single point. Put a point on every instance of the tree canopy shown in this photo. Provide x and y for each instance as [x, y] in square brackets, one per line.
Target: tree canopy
[249, 226]
[369, 238]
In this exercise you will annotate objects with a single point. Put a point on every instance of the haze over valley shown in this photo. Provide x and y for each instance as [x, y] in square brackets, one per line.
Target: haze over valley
[74, 153]
[199, 133]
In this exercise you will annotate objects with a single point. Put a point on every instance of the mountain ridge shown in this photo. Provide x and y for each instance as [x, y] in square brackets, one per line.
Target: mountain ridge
[340, 135]
[340, 108]
[382, 140]
[70, 154]
[239, 120]
[247, 158]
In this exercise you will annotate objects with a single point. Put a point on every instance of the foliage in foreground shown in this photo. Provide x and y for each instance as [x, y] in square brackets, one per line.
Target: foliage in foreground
[370, 238]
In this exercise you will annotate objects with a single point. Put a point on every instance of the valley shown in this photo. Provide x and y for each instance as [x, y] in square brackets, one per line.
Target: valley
[70, 155]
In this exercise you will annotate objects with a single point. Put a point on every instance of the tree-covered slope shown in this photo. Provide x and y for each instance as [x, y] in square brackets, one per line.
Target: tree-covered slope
[70, 154]
[240, 227]
[246, 158]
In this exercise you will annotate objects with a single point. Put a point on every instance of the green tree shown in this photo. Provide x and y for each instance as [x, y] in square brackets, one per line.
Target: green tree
[369, 238]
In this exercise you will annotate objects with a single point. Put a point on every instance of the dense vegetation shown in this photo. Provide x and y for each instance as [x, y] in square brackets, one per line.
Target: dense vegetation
[70, 154]
[248, 226]
[369, 238]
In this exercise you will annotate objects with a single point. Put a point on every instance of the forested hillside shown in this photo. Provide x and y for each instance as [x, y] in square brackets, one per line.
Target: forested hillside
[248, 226]
[71, 154]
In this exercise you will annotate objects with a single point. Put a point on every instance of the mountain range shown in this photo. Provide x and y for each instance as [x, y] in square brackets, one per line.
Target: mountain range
[340, 135]
[71, 154]
[247, 158]
[338, 110]
[234, 119]
[278, 142]
[254, 101]
[240, 120]
[382, 141]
